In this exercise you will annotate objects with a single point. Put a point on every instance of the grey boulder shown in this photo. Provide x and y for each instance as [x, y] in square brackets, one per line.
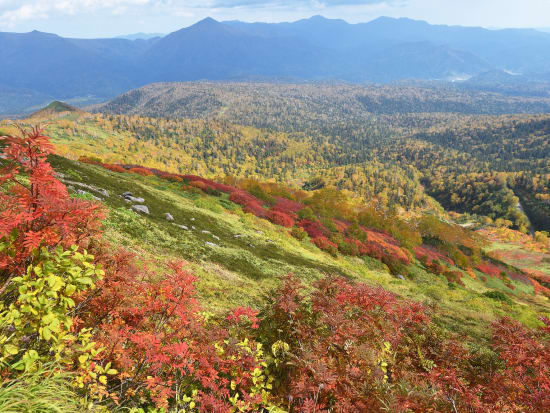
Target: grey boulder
[141, 208]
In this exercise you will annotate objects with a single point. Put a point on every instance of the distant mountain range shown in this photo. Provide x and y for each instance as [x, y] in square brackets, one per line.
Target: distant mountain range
[38, 67]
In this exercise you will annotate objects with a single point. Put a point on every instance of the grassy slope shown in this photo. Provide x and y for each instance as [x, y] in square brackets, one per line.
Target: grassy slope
[241, 271]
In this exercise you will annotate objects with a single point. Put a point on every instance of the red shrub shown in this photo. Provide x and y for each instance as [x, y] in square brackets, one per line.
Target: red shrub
[381, 237]
[243, 198]
[313, 228]
[141, 171]
[220, 187]
[341, 225]
[363, 345]
[170, 177]
[280, 218]
[454, 277]
[324, 244]
[524, 382]
[489, 269]
[163, 348]
[427, 253]
[90, 160]
[287, 206]
[42, 214]
[114, 168]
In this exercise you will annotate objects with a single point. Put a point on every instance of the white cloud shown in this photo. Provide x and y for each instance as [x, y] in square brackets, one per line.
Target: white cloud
[12, 12]
[103, 17]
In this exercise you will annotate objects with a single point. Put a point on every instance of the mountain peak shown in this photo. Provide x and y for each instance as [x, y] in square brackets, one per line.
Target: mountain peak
[54, 107]
[208, 21]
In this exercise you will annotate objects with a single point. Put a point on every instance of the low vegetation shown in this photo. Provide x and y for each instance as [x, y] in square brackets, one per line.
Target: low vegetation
[100, 289]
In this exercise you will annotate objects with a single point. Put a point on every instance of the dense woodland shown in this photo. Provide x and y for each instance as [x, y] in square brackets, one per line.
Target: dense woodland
[470, 163]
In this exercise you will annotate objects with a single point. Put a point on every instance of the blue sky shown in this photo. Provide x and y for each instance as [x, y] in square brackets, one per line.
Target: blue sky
[105, 18]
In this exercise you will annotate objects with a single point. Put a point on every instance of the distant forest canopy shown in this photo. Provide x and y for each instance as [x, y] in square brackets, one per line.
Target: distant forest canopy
[496, 168]
[386, 50]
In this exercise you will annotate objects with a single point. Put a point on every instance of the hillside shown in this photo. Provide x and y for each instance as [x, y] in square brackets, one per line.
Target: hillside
[315, 49]
[223, 293]
[239, 254]
[54, 108]
[235, 101]
[398, 145]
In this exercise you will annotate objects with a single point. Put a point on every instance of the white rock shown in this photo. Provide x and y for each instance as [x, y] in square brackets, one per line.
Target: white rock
[168, 216]
[134, 199]
[141, 208]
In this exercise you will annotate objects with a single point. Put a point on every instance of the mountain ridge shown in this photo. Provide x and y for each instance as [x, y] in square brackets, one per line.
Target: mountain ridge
[383, 50]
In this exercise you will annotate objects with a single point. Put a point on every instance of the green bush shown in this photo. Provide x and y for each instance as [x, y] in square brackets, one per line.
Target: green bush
[35, 320]
[498, 296]
[307, 213]
[298, 233]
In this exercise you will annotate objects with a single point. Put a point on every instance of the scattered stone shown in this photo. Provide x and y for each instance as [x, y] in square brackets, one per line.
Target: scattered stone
[400, 277]
[192, 219]
[92, 188]
[205, 231]
[216, 237]
[168, 216]
[141, 208]
[181, 226]
[82, 192]
[192, 226]
[211, 244]
[134, 199]
[251, 246]
[269, 241]
[96, 198]
[259, 232]
[239, 236]
[125, 194]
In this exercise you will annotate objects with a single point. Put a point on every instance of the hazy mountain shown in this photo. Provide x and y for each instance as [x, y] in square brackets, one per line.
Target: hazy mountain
[508, 83]
[212, 50]
[140, 36]
[383, 50]
[512, 49]
[49, 64]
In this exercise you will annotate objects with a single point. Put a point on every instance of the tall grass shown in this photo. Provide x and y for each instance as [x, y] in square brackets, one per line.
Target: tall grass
[43, 391]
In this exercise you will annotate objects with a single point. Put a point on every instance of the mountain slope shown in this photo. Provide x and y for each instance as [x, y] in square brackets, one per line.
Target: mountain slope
[239, 256]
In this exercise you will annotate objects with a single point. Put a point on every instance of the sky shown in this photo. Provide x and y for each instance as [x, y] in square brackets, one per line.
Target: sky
[108, 18]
